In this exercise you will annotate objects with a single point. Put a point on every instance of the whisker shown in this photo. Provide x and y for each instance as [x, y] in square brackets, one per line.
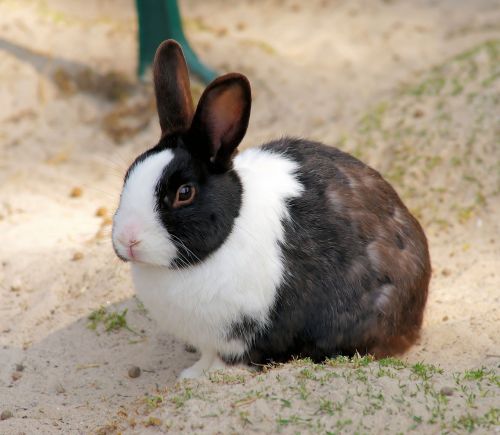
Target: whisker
[183, 245]
[113, 195]
[109, 162]
[127, 161]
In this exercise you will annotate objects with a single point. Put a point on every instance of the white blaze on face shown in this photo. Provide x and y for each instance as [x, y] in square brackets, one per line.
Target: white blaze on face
[138, 234]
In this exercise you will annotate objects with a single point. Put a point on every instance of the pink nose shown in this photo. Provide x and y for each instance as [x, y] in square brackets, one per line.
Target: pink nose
[128, 237]
[128, 241]
[128, 234]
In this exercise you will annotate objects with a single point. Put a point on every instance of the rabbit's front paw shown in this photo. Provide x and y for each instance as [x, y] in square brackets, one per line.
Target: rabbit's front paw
[191, 373]
[199, 367]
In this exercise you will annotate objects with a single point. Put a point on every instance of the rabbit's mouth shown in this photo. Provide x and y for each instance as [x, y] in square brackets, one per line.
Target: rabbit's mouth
[128, 251]
[132, 250]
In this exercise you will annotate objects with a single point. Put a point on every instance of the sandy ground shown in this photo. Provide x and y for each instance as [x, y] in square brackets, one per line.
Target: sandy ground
[412, 87]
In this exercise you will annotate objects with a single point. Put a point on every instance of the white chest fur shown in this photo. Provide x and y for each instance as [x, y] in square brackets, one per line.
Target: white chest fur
[199, 303]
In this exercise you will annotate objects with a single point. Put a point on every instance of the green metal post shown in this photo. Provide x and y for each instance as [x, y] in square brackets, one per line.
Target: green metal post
[160, 20]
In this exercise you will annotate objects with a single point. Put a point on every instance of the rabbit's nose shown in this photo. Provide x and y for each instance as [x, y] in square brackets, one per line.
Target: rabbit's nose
[127, 234]
[128, 242]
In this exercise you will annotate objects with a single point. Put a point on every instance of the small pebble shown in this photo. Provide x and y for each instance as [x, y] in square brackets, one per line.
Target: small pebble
[446, 272]
[101, 212]
[77, 256]
[221, 32]
[134, 372]
[189, 348]
[76, 192]
[240, 25]
[16, 285]
[6, 414]
[446, 391]
[60, 389]
[16, 376]
[19, 367]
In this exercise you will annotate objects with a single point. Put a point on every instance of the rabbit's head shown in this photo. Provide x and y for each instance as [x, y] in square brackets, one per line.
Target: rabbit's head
[180, 198]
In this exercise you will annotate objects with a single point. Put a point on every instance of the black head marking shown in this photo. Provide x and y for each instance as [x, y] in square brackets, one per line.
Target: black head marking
[201, 227]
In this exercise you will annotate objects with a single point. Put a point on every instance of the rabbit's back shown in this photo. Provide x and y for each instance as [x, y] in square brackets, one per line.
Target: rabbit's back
[356, 263]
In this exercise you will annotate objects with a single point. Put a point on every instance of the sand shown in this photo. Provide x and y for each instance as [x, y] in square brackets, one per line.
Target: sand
[411, 87]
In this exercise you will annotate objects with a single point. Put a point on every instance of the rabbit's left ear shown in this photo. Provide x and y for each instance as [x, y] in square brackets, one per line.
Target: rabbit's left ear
[221, 119]
[173, 94]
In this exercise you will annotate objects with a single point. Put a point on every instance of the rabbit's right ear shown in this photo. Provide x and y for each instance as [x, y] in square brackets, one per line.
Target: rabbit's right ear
[173, 95]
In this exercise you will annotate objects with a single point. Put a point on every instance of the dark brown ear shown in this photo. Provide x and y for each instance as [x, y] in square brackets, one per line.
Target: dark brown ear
[221, 118]
[173, 95]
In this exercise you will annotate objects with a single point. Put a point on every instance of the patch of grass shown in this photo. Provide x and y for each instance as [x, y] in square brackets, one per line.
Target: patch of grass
[361, 375]
[432, 162]
[112, 321]
[417, 419]
[425, 371]
[381, 372]
[361, 361]
[304, 402]
[471, 422]
[409, 136]
[392, 362]
[180, 400]
[438, 406]
[491, 79]
[154, 401]
[330, 407]
[293, 420]
[340, 424]
[470, 396]
[307, 373]
[481, 374]
[465, 213]
[302, 390]
[430, 86]
[245, 418]
[222, 377]
[153, 421]
[116, 320]
[300, 362]
[373, 119]
[355, 362]
[475, 375]
[95, 317]
[285, 403]
[339, 361]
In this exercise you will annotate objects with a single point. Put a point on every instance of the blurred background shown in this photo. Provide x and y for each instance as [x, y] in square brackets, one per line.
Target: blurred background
[412, 87]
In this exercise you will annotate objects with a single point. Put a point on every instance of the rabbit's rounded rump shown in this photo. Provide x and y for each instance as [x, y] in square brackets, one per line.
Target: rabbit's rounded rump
[291, 249]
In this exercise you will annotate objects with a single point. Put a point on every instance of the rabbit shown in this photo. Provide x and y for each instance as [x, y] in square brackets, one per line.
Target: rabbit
[292, 249]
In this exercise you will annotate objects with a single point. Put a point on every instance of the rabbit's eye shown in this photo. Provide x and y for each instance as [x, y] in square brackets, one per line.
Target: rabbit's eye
[184, 196]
